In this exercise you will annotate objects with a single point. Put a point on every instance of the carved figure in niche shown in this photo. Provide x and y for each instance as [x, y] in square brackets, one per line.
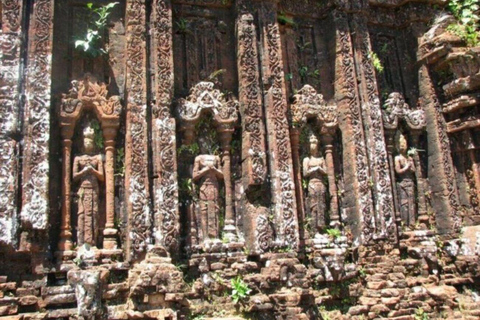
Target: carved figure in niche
[405, 170]
[207, 174]
[315, 170]
[88, 172]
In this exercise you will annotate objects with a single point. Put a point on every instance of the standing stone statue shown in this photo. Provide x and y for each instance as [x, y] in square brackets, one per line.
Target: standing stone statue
[405, 170]
[207, 174]
[88, 172]
[315, 170]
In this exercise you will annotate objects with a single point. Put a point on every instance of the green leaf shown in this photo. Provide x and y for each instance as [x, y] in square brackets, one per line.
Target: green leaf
[90, 5]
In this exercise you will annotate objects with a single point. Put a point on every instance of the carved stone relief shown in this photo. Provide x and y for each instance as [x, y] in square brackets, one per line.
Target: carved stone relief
[88, 168]
[209, 169]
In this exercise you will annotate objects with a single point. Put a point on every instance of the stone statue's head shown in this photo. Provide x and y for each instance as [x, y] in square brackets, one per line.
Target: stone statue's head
[313, 143]
[402, 143]
[88, 139]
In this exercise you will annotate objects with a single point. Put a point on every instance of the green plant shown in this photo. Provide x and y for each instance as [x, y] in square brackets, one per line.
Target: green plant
[214, 75]
[283, 19]
[465, 12]
[90, 43]
[98, 137]
[362, 272]
[182, 26]
[420, 314]
[240, 290]
[377, 64]
[120, 162]
[289, 76]
[334, 233]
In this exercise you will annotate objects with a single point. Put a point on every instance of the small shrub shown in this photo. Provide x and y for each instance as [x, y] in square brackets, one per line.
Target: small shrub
[240, 290]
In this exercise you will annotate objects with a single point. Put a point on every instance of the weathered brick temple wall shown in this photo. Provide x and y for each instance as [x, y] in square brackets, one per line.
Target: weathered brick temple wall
[238, 159]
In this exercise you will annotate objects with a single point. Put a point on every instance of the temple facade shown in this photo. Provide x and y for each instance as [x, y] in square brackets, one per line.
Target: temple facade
[239, 159]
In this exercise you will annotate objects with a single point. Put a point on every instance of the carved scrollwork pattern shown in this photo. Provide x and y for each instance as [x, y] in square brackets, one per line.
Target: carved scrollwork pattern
[385, 219]
[365, 203]
[441, 129]
[10, 44]
[281, 165]
[11, 15]
[396, 109]
[136, 152]
[37, 116]
[166, 188]
[251, 101]
[202, 97]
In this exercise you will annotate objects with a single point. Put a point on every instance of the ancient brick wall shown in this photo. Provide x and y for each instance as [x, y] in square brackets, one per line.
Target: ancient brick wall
[238, 159]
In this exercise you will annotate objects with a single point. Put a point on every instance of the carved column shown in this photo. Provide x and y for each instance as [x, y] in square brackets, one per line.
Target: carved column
[225, 134]
[297, 173]
[109, 233]
[357, 200]
[327, 139]
[166, 217]
[373, 128]
[390, 141]
[65, 243]
[440, 168]
[282, 183]
[136, 154]
[422, 204]
[37, 117]
[253, 144]
[11, 44]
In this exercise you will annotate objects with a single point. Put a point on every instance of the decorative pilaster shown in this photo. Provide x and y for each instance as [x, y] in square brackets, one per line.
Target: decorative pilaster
[165, 189]
[10, 79]
[381, 185]
[254, 166]
[357, 199]
[281, 167]
[136, 154]
[37, 117]
[441, 174]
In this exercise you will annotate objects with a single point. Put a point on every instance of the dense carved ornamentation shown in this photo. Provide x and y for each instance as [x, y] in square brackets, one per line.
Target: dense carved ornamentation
[397, 114]
[282, 183]
[10, 43]
[204, 98]
[136, 155]
[37, 117]
[308, 104]
[85, 95]
[395, 110]
[349, 94]
[250, 97]
[166, 215]
[377, 153]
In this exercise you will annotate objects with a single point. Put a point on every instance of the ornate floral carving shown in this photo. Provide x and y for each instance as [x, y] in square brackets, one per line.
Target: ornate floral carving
[204, 97]
[364, 199]
[377, 153]
[282, 185]
[37, 117]
[396, 109]
[251, 102]
[166, 215]
[10, 44]
[136, 155]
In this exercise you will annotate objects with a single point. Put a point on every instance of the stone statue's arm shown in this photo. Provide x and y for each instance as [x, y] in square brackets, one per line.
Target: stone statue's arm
[76, 173]
[218, 172]
[323, 168]
[197, 174]
[398, 166]
[100, 172]
[306, 171]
